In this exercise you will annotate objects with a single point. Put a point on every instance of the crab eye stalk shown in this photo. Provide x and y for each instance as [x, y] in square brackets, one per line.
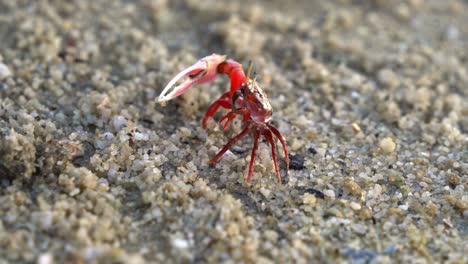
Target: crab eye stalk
[249, 69]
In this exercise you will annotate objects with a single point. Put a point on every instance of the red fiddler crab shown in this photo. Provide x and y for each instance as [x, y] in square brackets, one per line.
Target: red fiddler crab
[245, 97]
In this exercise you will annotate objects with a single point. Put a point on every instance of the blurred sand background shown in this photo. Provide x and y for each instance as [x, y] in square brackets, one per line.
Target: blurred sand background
[370, 95]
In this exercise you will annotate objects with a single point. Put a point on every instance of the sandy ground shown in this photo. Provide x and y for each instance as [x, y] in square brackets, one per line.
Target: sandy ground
[370, 95]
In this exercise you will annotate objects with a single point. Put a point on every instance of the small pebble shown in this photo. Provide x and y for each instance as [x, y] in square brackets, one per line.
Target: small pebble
[296, 162]
[387, 145]
[317, 193]
[356, 128]
[403, 207]
[119, 122]
[265, 192]
[312, 151]
[180, 243]
[309, 199]
[4, 71]
[355, 206]
[329, 193]
[361, 255]
[388, 78]
[138, 136]
[45, 259]
[321, 152]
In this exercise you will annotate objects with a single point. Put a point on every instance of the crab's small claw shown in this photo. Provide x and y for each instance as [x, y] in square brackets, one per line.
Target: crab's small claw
[204, 70]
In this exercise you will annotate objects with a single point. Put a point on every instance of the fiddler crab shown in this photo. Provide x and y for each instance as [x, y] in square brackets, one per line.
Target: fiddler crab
[244, 98]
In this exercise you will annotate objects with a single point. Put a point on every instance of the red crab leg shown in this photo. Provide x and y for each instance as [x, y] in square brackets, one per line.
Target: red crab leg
[231, 115]
[230, 143]
[223, 101]
[278, 135]
[269, 137]
[252, 156]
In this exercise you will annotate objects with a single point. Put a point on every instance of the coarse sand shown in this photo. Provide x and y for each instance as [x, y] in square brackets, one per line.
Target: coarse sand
[371, 97]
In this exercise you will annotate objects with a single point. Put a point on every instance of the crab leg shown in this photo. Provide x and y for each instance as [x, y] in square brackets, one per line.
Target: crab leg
[230, 143]
[252, 156]
[223, 101]
[231, 115]
[269, 137]
[278, 135]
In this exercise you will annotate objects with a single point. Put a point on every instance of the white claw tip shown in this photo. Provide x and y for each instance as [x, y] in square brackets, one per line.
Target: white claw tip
[162, 99]
[162, 102]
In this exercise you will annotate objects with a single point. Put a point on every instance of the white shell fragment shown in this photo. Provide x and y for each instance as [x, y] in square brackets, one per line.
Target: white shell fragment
[4, 71]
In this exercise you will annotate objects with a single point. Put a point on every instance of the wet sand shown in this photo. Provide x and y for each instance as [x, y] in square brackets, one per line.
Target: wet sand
[370, 96]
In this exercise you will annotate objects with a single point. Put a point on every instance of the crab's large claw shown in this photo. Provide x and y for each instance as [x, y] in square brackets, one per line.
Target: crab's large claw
[204, 70]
